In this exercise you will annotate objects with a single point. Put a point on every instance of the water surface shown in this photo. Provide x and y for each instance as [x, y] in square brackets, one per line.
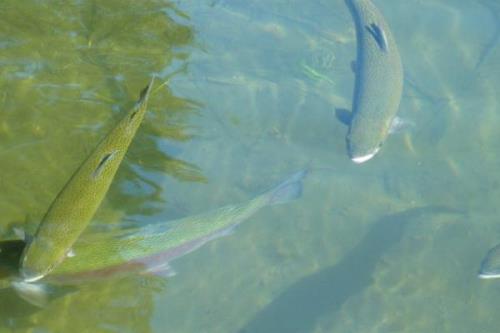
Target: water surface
[250, 98]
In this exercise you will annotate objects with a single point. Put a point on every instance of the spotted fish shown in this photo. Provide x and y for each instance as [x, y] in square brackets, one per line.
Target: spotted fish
[139, 249]
[75, 205]
[378, 82]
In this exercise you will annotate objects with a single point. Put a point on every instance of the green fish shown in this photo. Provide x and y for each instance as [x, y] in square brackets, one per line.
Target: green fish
[75, 205]
[378, 84]
[139, 249]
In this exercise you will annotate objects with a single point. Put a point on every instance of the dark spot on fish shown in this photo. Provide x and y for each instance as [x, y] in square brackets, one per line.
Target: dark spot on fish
[379, 35]
[102, 163]
[143, 93]
[103, 160]
[133, 115]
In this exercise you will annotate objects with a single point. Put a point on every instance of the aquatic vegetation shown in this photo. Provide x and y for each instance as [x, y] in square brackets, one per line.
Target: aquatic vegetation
[68, 75]
[90, 71]
[314, 74]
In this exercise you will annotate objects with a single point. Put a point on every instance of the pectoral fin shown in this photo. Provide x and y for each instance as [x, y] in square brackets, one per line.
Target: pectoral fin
[344, 116]
[399, 125]
[163, 270]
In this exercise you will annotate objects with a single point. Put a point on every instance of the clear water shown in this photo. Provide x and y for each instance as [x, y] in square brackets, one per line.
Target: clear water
[392, 245]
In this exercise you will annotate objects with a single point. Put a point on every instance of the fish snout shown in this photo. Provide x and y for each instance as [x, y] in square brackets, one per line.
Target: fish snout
[490, 265]
[29, 275]
[32, 270]
[486, 276]
[361, 158]
[487, 272]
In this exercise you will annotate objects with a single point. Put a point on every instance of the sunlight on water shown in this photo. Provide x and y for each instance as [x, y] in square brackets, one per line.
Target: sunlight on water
[245, 96]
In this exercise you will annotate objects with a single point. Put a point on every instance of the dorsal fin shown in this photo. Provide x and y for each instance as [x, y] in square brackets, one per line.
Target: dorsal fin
[379, 35]
[102, 163]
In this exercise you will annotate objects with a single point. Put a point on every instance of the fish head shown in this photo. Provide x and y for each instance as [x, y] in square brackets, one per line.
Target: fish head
[35, 264]
[32, 274]
[361, 147]
[366, 136]
[490, 266]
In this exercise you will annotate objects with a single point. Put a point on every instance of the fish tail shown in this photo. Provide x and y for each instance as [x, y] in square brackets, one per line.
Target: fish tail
[289, 190]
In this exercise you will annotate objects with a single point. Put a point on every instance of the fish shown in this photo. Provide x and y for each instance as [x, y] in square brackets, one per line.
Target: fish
[142, 249]
[75, 205]
[329, 288]
[494, 40]
[490, 265]
[378, 82]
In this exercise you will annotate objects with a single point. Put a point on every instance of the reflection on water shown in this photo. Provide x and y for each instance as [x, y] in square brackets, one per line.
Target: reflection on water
[68, 74]
[98, 307]
[66, 101]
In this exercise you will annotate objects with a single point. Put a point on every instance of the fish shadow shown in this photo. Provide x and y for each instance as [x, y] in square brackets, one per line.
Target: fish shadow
[300, 306]
[12, 311]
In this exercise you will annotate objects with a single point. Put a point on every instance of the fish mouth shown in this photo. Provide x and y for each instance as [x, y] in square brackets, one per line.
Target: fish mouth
[30, 276]
[364, 158]
[488, 276]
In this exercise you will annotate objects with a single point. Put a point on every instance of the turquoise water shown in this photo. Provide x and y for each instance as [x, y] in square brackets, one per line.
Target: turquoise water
[392, 245]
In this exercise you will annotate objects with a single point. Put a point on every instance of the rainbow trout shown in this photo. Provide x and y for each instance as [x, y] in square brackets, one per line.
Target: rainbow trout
[378, 83]
[75, 205]
[143, 249]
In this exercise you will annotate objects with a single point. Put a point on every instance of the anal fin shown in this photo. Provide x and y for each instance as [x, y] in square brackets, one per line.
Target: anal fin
[163, 270]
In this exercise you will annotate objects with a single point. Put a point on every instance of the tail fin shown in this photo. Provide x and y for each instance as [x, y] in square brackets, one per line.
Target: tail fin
[289, 190]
